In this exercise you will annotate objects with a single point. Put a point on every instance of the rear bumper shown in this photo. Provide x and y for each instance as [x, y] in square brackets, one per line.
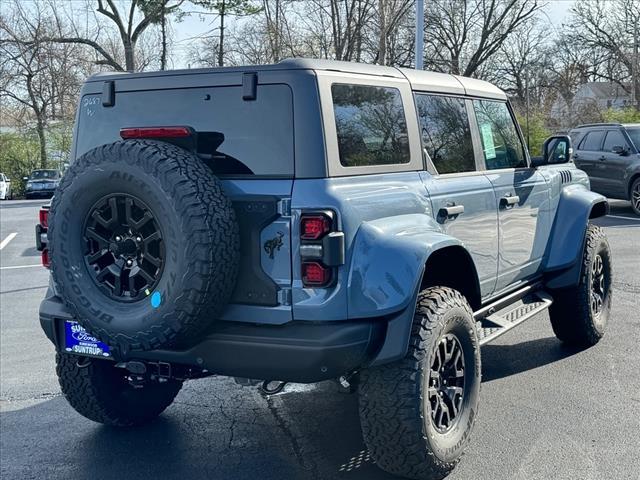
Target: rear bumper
[39, 193]
[300, 351]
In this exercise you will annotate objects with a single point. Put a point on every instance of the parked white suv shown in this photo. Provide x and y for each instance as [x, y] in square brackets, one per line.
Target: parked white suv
[5, 187]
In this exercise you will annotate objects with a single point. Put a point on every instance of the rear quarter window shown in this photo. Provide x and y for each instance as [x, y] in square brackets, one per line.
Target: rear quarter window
[258, 133]
[370, 124]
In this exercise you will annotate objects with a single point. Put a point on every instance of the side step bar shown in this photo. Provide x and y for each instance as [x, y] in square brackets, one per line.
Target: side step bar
[501, 316]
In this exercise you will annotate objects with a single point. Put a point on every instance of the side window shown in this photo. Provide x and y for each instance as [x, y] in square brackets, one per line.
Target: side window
[446, 134]
[614, 138]
[371, 125]
[592, 141]
[500, 140]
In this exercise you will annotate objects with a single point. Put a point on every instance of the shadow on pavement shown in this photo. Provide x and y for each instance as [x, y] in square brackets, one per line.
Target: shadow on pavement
[218, 430]
[499, 361]
[286, 437]
[30, 252]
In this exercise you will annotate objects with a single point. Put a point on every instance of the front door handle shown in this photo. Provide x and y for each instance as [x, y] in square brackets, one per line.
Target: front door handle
[450, 213]
[602, 158]
[509, 201]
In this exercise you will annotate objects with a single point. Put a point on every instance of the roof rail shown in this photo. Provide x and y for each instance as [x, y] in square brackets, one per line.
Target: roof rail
[599, 125]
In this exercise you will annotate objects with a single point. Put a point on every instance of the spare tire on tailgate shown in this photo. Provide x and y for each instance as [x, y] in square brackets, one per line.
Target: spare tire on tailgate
[143, 244]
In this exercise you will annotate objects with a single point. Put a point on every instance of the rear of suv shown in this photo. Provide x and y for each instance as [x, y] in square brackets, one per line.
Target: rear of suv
[308, 221]
[610, 154]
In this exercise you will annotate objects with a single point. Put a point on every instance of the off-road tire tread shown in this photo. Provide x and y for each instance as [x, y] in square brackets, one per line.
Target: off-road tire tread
[87, 390]
[390, 401]
[570, 312]
[206, 214]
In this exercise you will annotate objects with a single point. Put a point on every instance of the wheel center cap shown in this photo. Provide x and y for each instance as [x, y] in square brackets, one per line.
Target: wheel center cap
[128, 246]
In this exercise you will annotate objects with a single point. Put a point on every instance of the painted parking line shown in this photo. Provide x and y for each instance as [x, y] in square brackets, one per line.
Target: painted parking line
[20, 266]
[6, 241]
[623, 218]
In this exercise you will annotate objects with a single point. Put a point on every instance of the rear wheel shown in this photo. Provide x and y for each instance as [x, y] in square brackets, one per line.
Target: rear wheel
[579, 314]
[417, 413]
[101, 392]
[635, 196]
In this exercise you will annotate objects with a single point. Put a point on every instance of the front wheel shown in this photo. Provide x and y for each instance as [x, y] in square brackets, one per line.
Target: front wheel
[579, 314]
[417, 413]
[100, 391]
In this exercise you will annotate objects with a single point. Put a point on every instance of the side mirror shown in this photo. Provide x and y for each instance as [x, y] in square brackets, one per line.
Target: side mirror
[619, 150]
[8, 180]
[556, 149]
[25, 178]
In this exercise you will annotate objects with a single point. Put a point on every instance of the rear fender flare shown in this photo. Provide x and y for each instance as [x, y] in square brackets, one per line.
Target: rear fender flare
[387, 267]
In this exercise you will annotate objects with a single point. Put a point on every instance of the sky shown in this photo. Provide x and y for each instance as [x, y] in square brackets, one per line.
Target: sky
[555, 11]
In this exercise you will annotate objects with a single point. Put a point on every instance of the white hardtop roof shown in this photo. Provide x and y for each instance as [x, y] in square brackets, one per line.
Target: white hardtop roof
[419, 79]
[454, 84]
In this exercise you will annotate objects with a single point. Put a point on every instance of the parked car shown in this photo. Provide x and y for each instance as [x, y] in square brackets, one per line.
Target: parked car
[5, 187]
[307, 221]
[610, 154]
[41, 183]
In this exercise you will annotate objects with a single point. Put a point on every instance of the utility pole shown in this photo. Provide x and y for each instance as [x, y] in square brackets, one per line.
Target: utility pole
[221, 46]
[526, 87]
[635, 63]
[420, 34]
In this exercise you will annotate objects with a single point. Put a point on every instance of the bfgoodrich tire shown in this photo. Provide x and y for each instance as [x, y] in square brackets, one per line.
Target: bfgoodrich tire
[143, 244]
[579, 314]
[99, 391]
[417, 413]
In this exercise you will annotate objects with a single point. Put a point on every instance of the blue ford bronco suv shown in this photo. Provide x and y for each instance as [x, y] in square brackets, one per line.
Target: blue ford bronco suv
[307, 221]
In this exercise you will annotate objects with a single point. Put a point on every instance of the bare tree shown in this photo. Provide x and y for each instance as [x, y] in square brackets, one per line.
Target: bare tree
[520, 66]
[612, 27]
[36, 75]
[389, 15]
[130, 24]
[462, 35]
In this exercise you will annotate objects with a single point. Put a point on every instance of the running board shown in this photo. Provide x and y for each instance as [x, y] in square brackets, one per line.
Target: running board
[526, 303]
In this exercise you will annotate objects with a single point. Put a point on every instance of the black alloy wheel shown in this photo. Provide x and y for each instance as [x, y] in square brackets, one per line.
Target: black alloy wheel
[124, 251]
[599, 286]
[446, 383]
[635, 196]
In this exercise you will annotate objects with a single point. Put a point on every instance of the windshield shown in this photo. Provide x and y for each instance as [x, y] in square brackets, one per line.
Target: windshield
[634, 133]
[44, 174]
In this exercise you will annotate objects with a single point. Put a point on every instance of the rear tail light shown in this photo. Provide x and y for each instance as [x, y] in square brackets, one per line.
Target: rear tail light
[316, 274]
[155, 132]
[41, 235]
[313, 227]
[321, 248]
[43, 217]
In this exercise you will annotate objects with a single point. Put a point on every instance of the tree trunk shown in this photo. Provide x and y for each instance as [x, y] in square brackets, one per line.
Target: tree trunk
[129, 55]
[221, 46]
[382, 39]
[42, 139]
[163, 56]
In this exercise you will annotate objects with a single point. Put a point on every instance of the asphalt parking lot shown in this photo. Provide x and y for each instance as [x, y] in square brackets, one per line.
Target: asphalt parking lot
[547, 412]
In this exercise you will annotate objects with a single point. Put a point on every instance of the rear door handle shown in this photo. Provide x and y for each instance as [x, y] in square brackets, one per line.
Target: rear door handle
[509, 201]
[450, 213]
[602, 158]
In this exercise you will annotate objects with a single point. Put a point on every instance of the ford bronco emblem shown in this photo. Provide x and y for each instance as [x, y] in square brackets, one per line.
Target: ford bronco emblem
[270, 246]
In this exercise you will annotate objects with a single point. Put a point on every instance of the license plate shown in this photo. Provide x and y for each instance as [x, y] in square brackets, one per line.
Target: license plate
[77, 340]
